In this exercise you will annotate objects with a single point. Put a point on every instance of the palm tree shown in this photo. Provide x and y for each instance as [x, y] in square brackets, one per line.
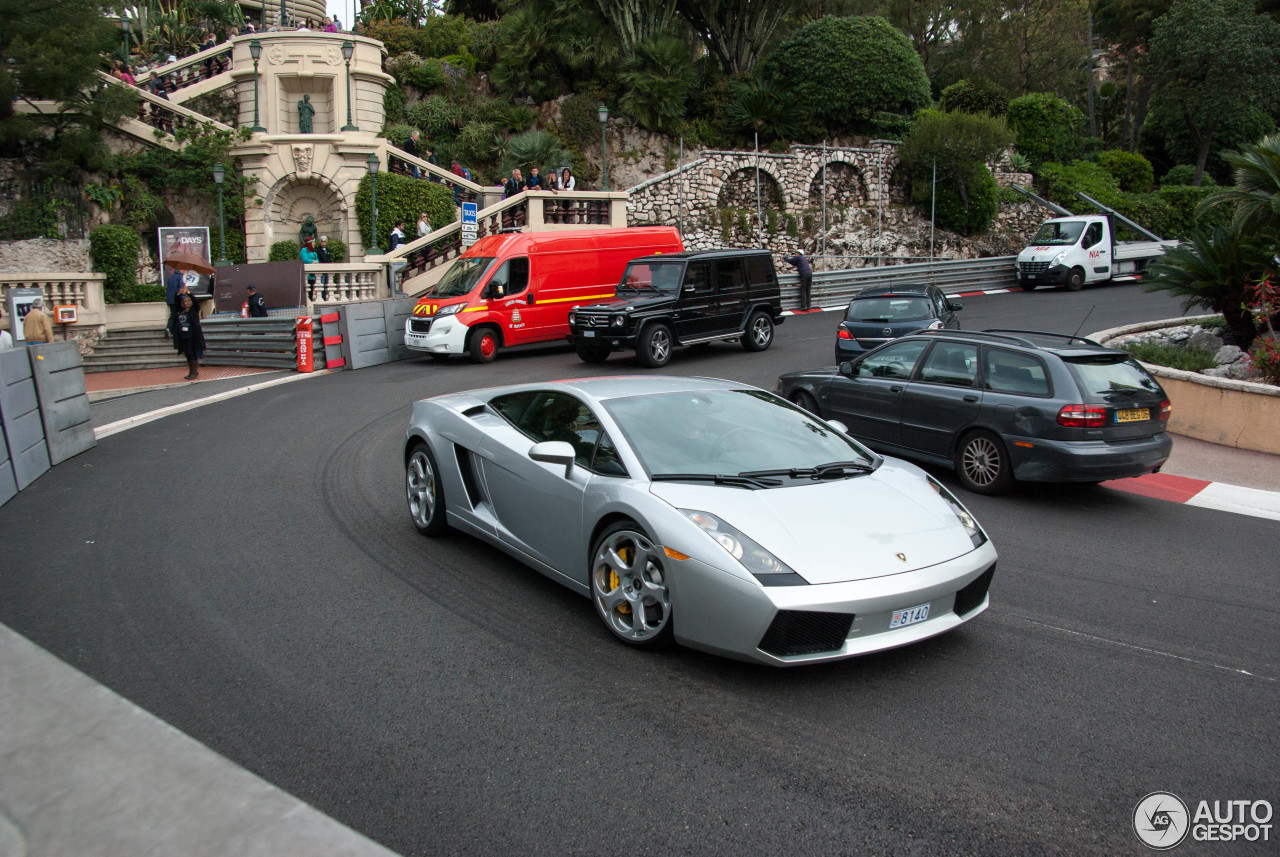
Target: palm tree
[1256, 193]
[1213, 271]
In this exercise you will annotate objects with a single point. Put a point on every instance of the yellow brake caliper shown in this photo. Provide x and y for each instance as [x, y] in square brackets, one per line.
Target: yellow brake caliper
[614, 581]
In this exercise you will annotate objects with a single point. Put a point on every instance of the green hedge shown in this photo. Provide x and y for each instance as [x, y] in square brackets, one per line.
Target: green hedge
[1130, 170]
[402, 198]
[113, 251]
[973, 96]
[284, 251]
[1047, 128]
[976, 215]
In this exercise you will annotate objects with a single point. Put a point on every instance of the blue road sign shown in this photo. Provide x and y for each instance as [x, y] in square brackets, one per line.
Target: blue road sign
[468, 212]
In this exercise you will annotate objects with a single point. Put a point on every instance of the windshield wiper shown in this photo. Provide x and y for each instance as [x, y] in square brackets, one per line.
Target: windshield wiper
[830, 470]
[742, 480]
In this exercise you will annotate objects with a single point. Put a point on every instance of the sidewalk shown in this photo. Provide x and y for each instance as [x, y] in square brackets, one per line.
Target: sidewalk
[109, 385]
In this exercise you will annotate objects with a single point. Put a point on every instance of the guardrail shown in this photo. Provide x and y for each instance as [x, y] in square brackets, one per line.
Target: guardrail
[267, 342]
[833, 288]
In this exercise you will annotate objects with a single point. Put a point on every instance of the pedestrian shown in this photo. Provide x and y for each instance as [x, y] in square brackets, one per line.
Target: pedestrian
[411, 147]
[257, 304]
[188, 336]
[329, 25]
[567, 181]
[550, 181]
[806, 276]
[513, 185]
[397, 235]
[6, 341]
[430, 158]
[535, 180]
[322, 253]
[424, 225]
[307, 252]
[208, 44]
[36, 327]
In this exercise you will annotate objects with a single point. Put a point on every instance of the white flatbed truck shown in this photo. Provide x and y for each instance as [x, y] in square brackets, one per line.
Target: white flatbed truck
[1072, 250]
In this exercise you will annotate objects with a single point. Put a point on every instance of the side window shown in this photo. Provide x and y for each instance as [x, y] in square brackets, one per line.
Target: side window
[698, 276]
[606, 461]
[511, 278]
[1092, 235]
[760, 272]
[954, 363]
[896, 361]
[939, 305]
[729, 276]
[555, 416]
[1011, 372]
[514, 406]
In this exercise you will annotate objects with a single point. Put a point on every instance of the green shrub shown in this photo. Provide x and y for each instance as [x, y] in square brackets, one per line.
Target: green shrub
[1185, 174]
[656, 82]
[959, 144]
[393, 104]
[435, 116]
[845, 72]
[1059, 183]
[578, 123]
[1172, 356]
[974, 210]
[398, 36]
[113, 250]
[1046, 127]
[284, 251]
[974, 96]
[1131, 171]
[532, 149]
[442, 35]
[1184, 215]
[337, 250]
[477, 143]
[396, 134]
[139, 293]
[402, 198]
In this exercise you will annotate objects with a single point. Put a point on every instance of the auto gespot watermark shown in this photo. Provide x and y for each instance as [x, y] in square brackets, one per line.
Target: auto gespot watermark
[1162, 820]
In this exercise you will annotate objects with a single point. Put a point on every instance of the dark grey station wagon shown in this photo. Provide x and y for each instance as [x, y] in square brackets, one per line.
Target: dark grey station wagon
[998, 406]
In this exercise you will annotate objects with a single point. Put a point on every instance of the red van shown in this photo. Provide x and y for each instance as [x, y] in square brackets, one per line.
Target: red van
[518, 288]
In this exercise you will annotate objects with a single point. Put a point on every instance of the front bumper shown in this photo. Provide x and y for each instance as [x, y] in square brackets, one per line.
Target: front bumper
[1087, 461]
[447, 335]
[719, 612]
[609, 337]
[1055, 275]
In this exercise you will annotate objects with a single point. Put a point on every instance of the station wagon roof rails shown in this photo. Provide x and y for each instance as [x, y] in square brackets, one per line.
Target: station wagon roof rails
[1070, 338]
[978, 334]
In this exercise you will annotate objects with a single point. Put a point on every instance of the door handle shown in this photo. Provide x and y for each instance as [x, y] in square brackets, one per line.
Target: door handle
[971, 398]
[895, 389]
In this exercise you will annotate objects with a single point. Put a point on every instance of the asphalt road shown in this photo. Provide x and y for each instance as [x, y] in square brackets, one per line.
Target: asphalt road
[248, 573]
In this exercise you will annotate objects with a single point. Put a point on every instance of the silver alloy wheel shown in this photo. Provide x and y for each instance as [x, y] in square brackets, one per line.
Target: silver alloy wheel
[981, 461]
[762, 332]
[660, 346]
[629, 588]
[420, 485]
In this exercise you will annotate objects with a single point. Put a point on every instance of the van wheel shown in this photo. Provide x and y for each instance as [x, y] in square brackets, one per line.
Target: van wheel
[593, 353]
[1075, 280]
[759, 332]
[654, 348]
[483, 345]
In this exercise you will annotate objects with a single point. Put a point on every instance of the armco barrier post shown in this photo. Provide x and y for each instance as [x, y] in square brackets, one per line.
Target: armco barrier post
[303, 327]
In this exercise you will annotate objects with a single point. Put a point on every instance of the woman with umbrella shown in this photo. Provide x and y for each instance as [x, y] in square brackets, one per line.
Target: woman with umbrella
[188, 336]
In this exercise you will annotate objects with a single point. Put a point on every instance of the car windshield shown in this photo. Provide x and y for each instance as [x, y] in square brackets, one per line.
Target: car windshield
[652, 277]
[462, 277]
[1064, 234]
[889, 309]
[1111, 374]
[730, 433]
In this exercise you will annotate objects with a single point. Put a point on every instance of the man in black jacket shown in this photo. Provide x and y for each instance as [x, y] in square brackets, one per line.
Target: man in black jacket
[805, 270]
[257, 306]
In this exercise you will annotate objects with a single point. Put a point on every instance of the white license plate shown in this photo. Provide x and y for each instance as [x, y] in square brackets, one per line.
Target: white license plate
[588, 333]
[910, 616]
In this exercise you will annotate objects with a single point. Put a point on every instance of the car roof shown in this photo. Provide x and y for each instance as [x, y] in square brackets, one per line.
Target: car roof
[1061, 344]
[605, 387]
[913, 290]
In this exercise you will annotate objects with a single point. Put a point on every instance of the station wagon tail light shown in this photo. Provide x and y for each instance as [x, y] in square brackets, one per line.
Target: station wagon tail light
[1082, 416]
[1166, 408]
[843, 333]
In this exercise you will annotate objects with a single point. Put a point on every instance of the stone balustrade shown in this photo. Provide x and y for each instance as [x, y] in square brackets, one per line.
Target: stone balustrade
[345, 282]
[188, 71]
[63, 288]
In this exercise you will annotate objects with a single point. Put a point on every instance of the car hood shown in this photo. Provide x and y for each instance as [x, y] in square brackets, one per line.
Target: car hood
[879, 524]
[621, 303]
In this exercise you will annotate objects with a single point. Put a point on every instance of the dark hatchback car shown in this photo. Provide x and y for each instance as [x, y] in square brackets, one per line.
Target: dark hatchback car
[875, 316]
[998, 406]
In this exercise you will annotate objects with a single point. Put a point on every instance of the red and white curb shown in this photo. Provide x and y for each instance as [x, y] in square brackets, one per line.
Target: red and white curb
[1199, 492]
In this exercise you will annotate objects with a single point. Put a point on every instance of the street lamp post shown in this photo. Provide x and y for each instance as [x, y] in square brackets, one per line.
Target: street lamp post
[603, 115]
[284, 21]
[347, 50]
[373, 163]
[219, 173]
[255, 51]
[125, 25]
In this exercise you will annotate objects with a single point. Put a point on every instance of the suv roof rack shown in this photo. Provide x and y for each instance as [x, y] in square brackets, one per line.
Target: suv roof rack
[1021, 337]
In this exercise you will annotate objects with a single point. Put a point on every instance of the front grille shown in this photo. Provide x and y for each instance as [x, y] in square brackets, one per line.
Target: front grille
[971, 597]
[420, 325]
[593, 320]
[1033, 267]
[804, 632]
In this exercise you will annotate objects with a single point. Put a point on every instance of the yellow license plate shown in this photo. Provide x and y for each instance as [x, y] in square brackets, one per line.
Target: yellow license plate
[1133, 415]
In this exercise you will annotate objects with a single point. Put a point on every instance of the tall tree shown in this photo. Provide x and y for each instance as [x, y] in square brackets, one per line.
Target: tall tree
[736, 32]
[1126, 26]
[1212, 60]
[637, 21]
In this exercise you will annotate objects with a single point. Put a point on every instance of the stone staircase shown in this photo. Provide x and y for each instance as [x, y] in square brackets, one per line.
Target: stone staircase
[140, 348]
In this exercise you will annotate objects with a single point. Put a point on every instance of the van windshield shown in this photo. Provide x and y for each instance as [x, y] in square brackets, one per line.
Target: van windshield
[462, 277]
[652, 277]
[1063, 234]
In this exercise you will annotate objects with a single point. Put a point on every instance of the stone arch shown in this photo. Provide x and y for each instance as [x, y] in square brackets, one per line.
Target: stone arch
[846, 186]
[292, 199]
[739, 190]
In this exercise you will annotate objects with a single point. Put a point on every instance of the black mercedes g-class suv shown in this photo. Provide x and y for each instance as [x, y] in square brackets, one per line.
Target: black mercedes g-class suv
[682, 299]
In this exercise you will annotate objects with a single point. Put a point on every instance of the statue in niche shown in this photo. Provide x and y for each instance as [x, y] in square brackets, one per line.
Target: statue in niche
[308, 230]
[305, 112]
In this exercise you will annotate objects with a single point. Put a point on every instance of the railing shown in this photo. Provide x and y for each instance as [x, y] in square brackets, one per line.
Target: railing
[63, 288]
[268, 342]
[188, 71]
[162, 114]
[464, 190]
[344, 283]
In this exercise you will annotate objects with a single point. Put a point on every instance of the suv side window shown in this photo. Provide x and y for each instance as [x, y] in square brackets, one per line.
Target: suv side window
[1012, 372]
[698, 277]
[896, 361]
[760, 272]
[511, 278]
[729, 276]
[954, 363]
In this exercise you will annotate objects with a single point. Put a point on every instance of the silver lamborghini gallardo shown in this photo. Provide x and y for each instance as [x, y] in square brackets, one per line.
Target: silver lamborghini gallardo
[709, 512]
